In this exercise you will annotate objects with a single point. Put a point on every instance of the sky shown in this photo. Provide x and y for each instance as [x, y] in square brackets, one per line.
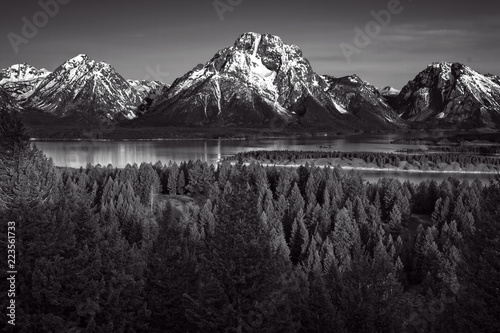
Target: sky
[161, 39]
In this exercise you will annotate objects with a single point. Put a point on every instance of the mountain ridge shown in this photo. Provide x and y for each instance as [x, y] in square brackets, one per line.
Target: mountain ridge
[451, 93]
[257, 70]
[259, 81]
[82, 85]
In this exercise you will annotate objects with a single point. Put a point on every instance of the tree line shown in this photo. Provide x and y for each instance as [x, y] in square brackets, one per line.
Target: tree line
[379, 158]
[469, 149]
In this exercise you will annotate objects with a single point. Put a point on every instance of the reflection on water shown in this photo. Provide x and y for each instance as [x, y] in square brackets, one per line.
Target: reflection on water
[121, 153]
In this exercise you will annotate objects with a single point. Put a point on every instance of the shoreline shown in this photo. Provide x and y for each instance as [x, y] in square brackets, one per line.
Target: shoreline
[246, 135]
[348, 168]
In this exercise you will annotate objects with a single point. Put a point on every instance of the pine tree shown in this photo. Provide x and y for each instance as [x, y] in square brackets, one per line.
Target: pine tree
[299, 238]
[195, 179]
[170, 273]
[223, 173]
[319, 314]
[359, 211]
[441, 212]
[353, 186]
[150, 185]
[295, 204]
[27, 177]
[395, 219]
[173, 175]
[241, 273]
[285, 182]
[181, 182]
[345, 238]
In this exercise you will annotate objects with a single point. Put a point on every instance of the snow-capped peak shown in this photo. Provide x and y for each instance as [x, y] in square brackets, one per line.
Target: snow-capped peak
[264, 62]
[20, 80]
[451, 92]
[79, 58]
[21, 72]
[85, 63]
[257, 79]
[83, 84]
[389, 91]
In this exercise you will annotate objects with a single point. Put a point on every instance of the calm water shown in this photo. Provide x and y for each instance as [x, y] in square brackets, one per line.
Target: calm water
[121, 153]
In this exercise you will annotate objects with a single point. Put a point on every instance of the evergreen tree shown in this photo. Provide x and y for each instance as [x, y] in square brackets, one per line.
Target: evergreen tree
[171, 272]
[181, 182]
[299, 239]
[173, 175]
[27, 177]
[241, 273]
[150, 185]
[395, 219]
[345, 238]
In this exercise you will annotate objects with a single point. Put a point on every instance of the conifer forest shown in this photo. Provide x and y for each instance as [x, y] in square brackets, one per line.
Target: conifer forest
[237, 247]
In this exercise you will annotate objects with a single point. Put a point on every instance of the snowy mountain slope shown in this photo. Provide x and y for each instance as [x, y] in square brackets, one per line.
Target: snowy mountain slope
[257, 80]
[451, 93]
[148, 87]
[494, 78]
[361, 99]
[85, 88]
[20, 80]
[149, 90]
[21, 72]
[389, 91]
[390, 95]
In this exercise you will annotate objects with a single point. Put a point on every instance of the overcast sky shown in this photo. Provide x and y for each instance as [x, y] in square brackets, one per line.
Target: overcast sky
[159, 36]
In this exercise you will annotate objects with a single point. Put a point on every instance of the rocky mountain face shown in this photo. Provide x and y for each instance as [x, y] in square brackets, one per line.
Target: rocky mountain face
[150, 90]
[453, 94]
[85, 88]
[359, 98]
[494, 78]
[390, 95]
[6, 101]
[258, 80]
[22, 72]
[20, 80]
[148, 87]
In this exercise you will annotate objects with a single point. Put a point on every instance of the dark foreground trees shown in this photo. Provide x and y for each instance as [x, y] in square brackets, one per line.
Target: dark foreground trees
[261, 250]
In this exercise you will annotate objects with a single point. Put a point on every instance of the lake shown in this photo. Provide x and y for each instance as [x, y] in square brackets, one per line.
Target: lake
[120, 153]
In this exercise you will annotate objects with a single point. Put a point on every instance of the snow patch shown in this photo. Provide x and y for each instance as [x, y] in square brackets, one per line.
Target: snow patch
[339, 108]
[218, 94]
[256, 45]
[261, 70]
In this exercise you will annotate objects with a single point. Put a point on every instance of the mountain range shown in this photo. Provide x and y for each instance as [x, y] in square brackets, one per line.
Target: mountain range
[256, 82]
